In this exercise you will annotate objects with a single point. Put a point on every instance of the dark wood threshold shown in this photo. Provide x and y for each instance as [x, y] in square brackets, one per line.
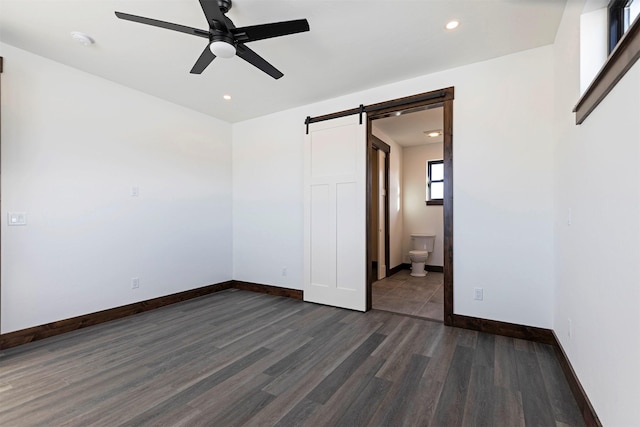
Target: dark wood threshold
[268, 289]
[24, 336]
[619, 62]
[434, 202]
[586, 409]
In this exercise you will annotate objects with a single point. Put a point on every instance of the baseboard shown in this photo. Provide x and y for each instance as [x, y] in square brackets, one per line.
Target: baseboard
[512, 330]
[398, 269]
[541, 335]
[405, 266]
[267, 289]
[588, 413]
[24, 336]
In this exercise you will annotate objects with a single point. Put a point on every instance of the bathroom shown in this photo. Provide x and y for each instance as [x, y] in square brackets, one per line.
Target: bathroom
[415, 208]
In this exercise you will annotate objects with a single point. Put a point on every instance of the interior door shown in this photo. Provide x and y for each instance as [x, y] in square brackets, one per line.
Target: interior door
[335, 213]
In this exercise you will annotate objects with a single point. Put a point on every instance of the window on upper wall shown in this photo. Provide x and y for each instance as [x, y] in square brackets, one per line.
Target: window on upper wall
[622, 13]
[435, 182]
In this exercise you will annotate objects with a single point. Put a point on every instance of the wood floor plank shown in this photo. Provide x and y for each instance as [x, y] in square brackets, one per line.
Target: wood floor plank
[505, 367]
[298, 415]
[242, 358]
[185, 396]
[239, 410]
[535, 400]
[329, 352]
[306, 351]
[359, 412]
[478, 410]
[560, 396]
[454, 394]
[396, 408]
[485, 351]
[442, 347]
[399, 358]
[508, 407]
[354, 386]
[335, 379]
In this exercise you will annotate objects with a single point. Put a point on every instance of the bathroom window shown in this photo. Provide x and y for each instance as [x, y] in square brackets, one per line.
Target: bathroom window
[435, 182]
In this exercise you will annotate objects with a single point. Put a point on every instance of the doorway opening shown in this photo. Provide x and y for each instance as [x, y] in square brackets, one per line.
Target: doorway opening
[406, 142]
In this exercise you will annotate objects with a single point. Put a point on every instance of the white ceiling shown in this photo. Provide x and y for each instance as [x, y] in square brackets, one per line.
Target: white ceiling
[353, 45]
[408, 130]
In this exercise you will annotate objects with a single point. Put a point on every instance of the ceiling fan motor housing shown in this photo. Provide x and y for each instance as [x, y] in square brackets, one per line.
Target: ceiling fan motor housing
[225, 5]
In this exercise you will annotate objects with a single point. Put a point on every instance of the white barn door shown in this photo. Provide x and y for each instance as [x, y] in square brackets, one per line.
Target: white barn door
[335, 213]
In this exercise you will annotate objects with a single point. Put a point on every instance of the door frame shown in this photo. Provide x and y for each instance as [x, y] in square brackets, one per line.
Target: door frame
[378, 145]
[385, 109]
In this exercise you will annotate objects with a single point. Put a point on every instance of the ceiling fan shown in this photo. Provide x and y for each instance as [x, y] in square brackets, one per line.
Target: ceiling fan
[225, 40]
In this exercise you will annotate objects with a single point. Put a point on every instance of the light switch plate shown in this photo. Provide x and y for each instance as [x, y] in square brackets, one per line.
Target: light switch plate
[17, 218]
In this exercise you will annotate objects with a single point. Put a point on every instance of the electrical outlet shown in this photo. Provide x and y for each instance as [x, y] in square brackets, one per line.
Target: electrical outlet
[569, 328]
[478, 294]
[135, 283]
[135, 191]
[284, 271]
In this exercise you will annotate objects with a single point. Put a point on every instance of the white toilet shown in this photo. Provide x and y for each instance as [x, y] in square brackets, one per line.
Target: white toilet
[421, 245]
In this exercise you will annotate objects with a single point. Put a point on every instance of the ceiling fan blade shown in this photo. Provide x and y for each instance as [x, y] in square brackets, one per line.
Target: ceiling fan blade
[213, 13]
[203, 61]
[266, 31]
[257, 61]
[162, 24]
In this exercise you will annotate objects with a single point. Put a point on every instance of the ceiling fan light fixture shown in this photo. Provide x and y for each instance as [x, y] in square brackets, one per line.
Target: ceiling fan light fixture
[222, 49]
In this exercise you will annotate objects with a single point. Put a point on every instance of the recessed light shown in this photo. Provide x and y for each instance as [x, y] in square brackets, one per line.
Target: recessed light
[452, 24]
[398, 113]
[82, 38]
[433, 133]
[227, 97]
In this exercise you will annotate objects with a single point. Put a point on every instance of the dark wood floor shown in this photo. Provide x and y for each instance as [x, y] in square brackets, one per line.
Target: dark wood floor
[240, 358]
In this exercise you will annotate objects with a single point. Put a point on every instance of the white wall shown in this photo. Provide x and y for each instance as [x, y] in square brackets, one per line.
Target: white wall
[598, 253]
[503, 219]
[396, 212]
[418, 217]
[73, 145]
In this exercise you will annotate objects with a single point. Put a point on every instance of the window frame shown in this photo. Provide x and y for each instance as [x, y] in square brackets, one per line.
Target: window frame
[433, 201]
[624, 55]
[616, 20]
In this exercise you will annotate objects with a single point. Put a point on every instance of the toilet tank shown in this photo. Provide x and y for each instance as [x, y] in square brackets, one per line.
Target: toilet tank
[422, 242]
